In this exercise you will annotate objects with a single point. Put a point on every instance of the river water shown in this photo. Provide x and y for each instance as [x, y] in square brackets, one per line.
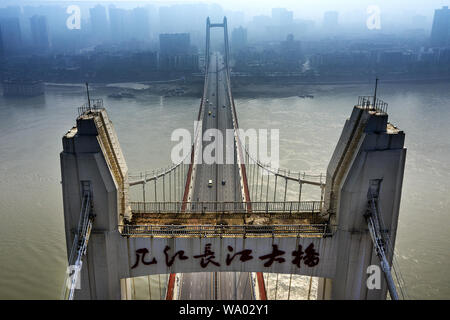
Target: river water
[32, 242]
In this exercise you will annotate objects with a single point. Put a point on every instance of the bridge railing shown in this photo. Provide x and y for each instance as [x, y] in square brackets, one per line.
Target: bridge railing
[228, 207]
[224, 230]
[372, 103]
[94, 105]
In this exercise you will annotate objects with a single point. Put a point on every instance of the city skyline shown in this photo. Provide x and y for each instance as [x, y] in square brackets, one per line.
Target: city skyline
[170, 38]
[301, 8]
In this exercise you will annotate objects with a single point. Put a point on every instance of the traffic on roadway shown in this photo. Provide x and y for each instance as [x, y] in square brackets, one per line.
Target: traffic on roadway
[217, 182]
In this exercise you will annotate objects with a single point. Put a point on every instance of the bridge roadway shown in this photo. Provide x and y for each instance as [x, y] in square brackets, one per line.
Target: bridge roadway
[217, 285]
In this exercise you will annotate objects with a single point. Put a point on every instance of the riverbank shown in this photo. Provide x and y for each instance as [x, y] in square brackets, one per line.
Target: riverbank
[242, 87]
[282, 87]
[180, 88]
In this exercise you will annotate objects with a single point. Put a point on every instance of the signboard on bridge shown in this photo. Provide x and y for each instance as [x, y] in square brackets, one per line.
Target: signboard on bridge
[303, 256]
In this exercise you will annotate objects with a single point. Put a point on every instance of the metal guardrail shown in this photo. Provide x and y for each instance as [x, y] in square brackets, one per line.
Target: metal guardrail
[372, 103]
[94, 105]
[79, 247]
[227, 207]
[315, 180]
[301, 177]
[224, 230]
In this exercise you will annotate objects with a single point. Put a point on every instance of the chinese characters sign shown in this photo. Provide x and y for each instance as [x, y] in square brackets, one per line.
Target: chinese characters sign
[301, 257]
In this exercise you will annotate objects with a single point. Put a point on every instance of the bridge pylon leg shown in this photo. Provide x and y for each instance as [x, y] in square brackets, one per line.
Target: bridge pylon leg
[369, 149]
[91, 157]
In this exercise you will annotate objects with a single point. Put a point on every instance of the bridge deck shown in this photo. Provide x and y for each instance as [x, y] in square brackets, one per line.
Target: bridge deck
[214, 231]
[225, 224]
[225, 218]
[213, 218]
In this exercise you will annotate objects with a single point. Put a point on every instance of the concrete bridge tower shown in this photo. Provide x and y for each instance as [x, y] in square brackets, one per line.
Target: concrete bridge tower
[92, 162]
[368, 157]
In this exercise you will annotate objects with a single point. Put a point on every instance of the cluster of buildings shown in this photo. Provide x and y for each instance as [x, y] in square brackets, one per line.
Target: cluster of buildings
[22, 88]
[176, 52]
[409, 54]
[42, 30]
[23, 31]
[279, 56]
[170, 39]
[388, 54]
[440, 32]
[406, 62]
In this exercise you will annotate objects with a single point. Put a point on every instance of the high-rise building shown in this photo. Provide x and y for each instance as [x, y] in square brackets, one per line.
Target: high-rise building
[257, 28]
[99, 22]
[238, 39]
[174, 44]
[1, 44]
[140, 24]
[10, 12]
[440, 32]
[117, 20]
[180, 63]
[291, 50]
[153, 21]
[281, 16]
[11, 34]
[235, 18]
[330, 20]
[176, 53]
[39, 32]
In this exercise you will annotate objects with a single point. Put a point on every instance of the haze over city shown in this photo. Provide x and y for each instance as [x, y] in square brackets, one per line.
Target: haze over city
[312, 40]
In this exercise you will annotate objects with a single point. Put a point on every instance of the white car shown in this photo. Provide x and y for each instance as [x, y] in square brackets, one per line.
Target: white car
[210, 183]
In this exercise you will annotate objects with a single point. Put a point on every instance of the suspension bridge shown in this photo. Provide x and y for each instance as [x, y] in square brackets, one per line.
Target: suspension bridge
[224, 231]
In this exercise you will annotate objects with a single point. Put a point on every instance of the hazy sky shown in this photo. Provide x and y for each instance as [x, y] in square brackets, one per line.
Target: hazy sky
[301, 8]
